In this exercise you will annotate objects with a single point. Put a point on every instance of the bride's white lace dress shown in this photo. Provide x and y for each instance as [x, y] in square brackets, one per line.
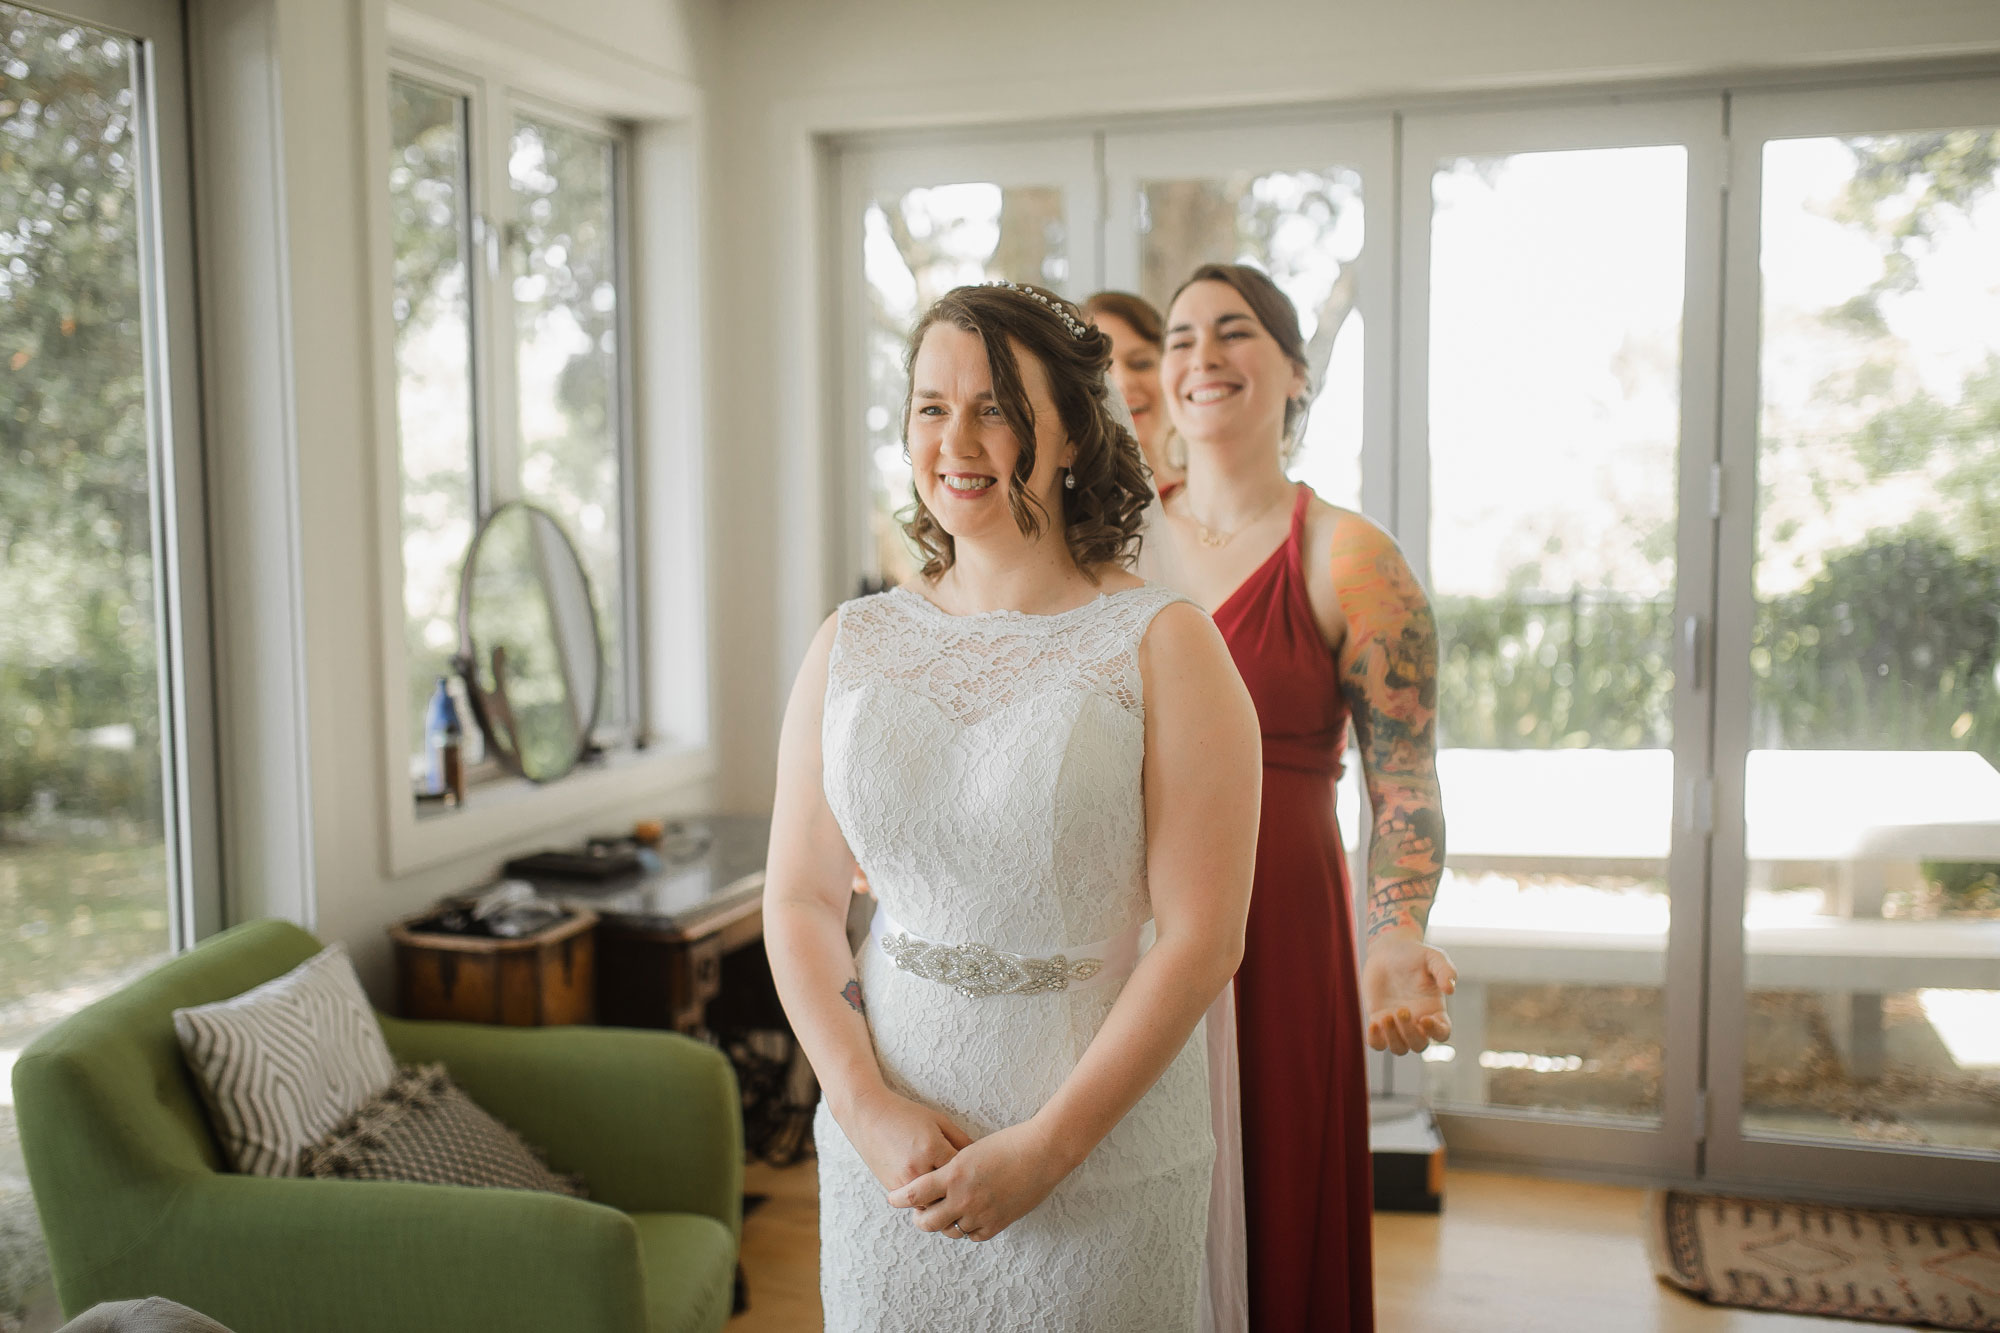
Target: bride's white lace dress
[986, 772]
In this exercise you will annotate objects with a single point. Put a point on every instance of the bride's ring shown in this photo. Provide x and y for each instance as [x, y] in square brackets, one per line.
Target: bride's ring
[960, 1230]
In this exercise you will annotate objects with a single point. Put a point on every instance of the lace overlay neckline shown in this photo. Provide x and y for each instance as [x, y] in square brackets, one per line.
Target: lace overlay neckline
[1011, 617]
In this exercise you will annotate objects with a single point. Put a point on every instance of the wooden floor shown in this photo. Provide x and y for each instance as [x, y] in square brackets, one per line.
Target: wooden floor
[1510, 1255]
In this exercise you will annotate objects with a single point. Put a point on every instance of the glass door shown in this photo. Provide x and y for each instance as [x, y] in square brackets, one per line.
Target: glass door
[914, 223]
[107, 782]
[1295, 200]
[1855, 1024]
[1560, 283]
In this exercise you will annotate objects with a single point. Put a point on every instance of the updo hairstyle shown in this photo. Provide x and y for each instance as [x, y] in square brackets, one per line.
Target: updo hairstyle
[1102, 514]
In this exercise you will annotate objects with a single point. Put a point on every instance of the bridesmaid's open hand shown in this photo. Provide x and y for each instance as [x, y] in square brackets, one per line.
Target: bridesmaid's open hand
[1403, 985]
[900, 1139]
[986, 1188]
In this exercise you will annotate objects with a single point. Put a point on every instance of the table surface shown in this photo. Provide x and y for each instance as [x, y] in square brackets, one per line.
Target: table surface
[712, 865]
[1799, 805]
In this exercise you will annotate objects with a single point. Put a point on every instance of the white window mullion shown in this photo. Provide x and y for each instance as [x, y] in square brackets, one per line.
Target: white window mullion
[500, 436]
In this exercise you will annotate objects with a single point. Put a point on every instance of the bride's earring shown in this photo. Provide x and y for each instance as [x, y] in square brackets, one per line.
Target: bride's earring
[1069, 480]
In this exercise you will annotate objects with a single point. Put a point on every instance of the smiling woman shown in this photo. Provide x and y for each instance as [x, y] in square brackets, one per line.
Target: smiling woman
[1024, 749]
[1327, 624]
[1103, 478]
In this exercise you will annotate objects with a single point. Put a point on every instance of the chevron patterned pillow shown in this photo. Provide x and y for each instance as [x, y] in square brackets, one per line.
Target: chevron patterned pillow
[284, 1063]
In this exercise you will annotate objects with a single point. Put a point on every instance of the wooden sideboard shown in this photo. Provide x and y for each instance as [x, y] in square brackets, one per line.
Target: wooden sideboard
[674, 943]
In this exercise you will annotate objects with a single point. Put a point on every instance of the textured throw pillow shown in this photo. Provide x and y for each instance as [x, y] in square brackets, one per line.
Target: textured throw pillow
[424, 1128]
[281, 1065]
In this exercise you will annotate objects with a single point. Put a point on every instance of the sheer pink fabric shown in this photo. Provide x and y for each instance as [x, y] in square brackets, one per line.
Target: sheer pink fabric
[1225, 1281]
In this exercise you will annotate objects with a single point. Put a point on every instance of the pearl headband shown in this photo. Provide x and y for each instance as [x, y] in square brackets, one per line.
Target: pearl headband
[1076, 327]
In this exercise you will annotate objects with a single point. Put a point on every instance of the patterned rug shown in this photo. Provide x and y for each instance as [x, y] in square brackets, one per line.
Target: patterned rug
[1894, 1268]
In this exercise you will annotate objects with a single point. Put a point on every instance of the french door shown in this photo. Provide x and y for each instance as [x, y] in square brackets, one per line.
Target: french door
[1687, 411]
[109, 856]
[1854, 996]
[1560, 275]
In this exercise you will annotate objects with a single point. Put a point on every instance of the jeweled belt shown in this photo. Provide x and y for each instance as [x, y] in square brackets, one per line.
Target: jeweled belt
[978, 971]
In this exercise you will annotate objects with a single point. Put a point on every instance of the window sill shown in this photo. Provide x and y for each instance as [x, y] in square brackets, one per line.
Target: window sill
[499, 814]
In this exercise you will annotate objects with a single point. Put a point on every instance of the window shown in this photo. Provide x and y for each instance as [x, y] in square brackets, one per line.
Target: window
[1875, 613]
[509, 353]
[923, 225]
[1554, 414]
[105, 748]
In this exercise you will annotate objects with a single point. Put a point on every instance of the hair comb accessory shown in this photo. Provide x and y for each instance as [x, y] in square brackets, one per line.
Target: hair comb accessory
[1076, 326]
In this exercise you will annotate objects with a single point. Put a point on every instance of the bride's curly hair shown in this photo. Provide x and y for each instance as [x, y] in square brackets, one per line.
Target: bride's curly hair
[1101, 516]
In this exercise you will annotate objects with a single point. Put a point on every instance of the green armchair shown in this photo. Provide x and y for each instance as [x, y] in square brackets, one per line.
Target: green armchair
[135, 1200]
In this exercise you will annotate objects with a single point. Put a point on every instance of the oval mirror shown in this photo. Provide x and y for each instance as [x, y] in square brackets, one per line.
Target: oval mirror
[528, 642]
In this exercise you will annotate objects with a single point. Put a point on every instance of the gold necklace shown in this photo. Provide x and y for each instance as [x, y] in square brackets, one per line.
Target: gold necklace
[1215, 541]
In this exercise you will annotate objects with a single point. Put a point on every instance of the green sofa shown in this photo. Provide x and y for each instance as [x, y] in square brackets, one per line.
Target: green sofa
[135, 1200]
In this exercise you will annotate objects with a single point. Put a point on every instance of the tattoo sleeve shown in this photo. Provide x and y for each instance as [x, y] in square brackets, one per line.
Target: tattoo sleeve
[1388, 671]
[851, 993]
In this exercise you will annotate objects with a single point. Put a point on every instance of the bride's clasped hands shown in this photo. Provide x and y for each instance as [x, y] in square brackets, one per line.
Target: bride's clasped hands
[900, 1140]
[988, 1186]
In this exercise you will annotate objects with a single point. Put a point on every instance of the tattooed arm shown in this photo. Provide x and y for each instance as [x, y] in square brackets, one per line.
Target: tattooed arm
[1388, 671]
[807, 889]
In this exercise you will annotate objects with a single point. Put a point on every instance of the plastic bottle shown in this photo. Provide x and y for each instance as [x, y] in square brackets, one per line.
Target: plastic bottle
[444, 754]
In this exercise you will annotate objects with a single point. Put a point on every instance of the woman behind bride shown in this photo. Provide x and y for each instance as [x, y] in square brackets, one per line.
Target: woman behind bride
[1049, 771]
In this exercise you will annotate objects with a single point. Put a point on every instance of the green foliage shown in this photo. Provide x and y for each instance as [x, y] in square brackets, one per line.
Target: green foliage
[1966, 886]
[427, 202]
[76, 566]
[1903, 184]
[1904, 187]
[1528, 672]
[1956, 445]
[1892, 646]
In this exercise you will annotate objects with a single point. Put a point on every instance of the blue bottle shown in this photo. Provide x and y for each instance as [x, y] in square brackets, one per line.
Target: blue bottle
[444, 764]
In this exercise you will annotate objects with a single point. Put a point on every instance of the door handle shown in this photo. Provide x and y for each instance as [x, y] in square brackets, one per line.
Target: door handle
[1691, 651]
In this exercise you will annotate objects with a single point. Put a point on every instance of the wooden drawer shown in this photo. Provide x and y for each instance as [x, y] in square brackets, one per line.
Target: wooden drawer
[538, 980]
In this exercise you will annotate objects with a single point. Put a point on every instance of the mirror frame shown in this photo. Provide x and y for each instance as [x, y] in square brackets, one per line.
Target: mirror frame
[467, 664]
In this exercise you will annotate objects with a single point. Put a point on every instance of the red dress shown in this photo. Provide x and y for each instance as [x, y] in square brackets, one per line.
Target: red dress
[1308, 1191]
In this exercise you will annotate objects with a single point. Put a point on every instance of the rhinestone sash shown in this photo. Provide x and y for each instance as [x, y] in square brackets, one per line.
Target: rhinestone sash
[978, 971]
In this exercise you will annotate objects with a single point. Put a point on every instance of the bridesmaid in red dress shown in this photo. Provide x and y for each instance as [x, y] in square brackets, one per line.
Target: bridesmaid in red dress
[1326, 624]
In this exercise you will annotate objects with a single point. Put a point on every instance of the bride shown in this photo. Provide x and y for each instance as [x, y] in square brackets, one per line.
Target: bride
[1049, 771]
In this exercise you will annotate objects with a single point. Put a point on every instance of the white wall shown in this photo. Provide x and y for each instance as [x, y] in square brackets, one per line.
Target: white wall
[290, 139]
[798, 69]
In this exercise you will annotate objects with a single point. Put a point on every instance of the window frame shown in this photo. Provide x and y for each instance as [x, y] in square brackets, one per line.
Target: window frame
[182, 595]
[1669, 1144]
[665, 739]
[1737, 1155]
[492, 109]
